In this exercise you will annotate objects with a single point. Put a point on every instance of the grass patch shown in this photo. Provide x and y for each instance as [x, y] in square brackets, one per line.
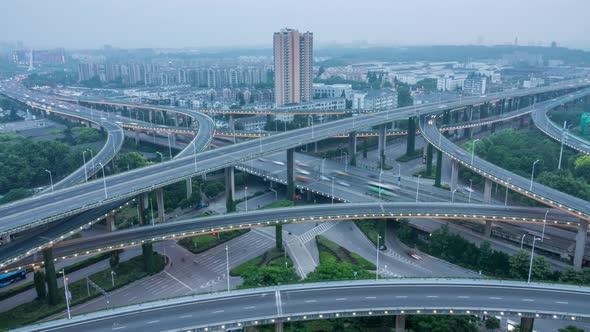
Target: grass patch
[331, 252]
[424, 175]
[371, 229]
[5, 137]
[69, 269]
[127, 272]
[278, 204]
[266, 270]
[55, 132]
[417, 154]
[200, 243]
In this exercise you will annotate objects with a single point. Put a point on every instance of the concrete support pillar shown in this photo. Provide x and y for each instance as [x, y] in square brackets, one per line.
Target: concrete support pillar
[189, 188]
[411, 139]
[141, 206]
[400, 323]
[49, 264]
[232, 124]
[454, 174]
[381, 145]
[526, 324]
[111, 226]
[581, 238]
[136, 137]
[290, 174]
[160, 203]
[352, 143]
[173, 140]
[487, 191]
[230, 186]
[279, 327]
[438, 174]
[429, 151]
[309, 196]
[315, 146]
[150, 116]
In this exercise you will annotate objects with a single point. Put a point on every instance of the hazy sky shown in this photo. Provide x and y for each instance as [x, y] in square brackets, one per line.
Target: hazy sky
[200, 23]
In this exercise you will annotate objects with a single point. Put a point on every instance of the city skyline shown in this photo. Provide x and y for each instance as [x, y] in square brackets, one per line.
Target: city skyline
[429, 22]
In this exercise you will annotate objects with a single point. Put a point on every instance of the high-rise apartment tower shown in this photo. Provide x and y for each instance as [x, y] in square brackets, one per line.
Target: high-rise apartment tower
[293, 57]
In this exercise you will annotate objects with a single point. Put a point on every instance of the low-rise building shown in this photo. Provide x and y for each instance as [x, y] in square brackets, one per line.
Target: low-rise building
[375, 99]
[251, 123]
[321, 90]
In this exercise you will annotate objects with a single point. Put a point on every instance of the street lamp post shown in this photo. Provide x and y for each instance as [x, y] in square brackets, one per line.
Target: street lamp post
[67, 292]
[380, 189]
[195, 155]
[104, 181]
[246, 196]
[227, 265]
[308, 118]
[152, 210]
[399, 174]
[260, 136]
[544, 222]
[161, 156]
[377, 269]
[85, 171]
[50, 178]
[506, 196]
[113, 274]
[91, 157]
[345, 161]
[470, 189]
[522, 240]
[563, 138]
[533, 174]
[473, 150]
[532, 255]
[332, 190]
[418, 187]
[453, 195]
[322, 167]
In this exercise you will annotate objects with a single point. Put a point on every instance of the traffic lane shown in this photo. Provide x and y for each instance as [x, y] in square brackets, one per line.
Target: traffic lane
[297, 137]
[185, 315]
[449, 296]
[286, 214]
[516, 180]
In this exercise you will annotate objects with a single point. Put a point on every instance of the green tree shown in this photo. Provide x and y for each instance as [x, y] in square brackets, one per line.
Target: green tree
[114, 259]
[148, 257]
[279, 237]
[131, 160]
[570, 328]
[39, 281]
[492, 323]
[52, 297]
[582, 167]
[520, 263]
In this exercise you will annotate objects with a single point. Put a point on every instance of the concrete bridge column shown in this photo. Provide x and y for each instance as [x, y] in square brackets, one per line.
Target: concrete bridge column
[400, 323]
[411, 139]
[160, 203]
[581, 238]
[381, 145]
[49, 264]
[526, 324]
[438, 174]
[189, 187]
[111, 226]
[454, 174]
[137, 137]
[487, 198]
[230, 186]
[173, 140]
[150, 116]
[141, 205]
[351, 148]
[232, 124]
[290, 175]
[279, 327]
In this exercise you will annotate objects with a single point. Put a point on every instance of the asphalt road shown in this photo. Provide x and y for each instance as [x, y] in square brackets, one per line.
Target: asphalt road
[310, 213]
[45, 208]
[554, 198]
[299, 302]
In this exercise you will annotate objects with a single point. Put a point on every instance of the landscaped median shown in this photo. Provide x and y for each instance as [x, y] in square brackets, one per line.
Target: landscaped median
[126, 273]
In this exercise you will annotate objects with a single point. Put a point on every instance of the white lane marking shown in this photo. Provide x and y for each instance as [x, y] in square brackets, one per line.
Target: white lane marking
[432, 296]
[182, 283]
[186, 316]
[153, 321]
[310, 301]
[251, 307]
[131, 299]
[561, 302]
[118, 328]
[495, 298]
[370, 297]
[341, 299]
[279, 303]
[463, 297]
[528, 300]
[401, 297]
[217, 311]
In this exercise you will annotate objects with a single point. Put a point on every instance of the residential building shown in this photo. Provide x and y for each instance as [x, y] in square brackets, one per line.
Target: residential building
[475, 85]
[375, 100]
[321, 90]
[293, 63]
[251, 123]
